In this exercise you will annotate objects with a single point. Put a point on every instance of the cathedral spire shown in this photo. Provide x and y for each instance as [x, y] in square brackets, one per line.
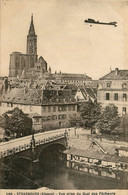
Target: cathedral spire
[32, 17]
[32, 39]
[31, 29]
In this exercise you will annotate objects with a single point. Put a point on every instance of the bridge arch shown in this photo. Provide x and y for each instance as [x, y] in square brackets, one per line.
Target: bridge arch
[22, 164]
[25, 158]
[51, 153]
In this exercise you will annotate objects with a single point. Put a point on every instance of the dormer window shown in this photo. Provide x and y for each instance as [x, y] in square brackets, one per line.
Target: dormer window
[108, 85]
[124, 85]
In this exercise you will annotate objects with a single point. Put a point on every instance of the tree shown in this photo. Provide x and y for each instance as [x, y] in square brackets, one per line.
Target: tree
[75, 120]
[109, 119]
[89, 115]
[16, 122]
[123, 126]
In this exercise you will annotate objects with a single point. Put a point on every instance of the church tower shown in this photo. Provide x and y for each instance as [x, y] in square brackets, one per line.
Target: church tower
[32, 39]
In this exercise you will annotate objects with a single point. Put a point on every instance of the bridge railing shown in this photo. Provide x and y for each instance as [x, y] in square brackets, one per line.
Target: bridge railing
[25, 146]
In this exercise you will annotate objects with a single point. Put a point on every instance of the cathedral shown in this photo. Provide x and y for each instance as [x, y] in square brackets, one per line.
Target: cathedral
[28, 65]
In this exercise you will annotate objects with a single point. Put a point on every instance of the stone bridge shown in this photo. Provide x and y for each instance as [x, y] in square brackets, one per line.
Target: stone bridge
[31, 147]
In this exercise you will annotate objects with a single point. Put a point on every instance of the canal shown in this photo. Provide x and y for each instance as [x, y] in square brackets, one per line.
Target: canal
[62, 176]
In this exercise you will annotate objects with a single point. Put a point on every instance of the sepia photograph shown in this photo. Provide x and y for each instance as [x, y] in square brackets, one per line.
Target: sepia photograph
[64, 97]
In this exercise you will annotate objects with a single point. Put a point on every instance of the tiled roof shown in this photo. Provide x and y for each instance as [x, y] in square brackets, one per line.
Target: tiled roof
[90, 92]
[123, 148]
[92, 153]
[69, 76]
[71, 86]
[35, 115]
[38, 96]
[56, 86]
[50, 77]
[23, 96]
[58, 96]
[123, 159]
[116, 75]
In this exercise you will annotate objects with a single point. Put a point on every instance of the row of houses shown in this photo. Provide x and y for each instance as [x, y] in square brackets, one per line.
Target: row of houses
[51, 105]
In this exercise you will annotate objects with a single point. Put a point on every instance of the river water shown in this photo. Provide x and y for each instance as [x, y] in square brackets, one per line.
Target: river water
[63, 177]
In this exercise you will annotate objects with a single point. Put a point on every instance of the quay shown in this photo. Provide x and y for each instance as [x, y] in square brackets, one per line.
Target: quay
[94, 158]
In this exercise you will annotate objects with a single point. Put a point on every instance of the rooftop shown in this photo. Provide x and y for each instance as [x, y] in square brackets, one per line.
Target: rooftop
[90, 92]
[116, 75]
[71, 76]
[93, 153]
[123, 148]
[35, 115]
[33, 96]
[23, 96]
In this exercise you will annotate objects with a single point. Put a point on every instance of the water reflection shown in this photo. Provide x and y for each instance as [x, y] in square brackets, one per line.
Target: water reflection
[66, 175]
[69, 175]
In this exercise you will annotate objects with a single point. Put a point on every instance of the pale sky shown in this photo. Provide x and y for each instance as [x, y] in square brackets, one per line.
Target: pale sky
[63, 39]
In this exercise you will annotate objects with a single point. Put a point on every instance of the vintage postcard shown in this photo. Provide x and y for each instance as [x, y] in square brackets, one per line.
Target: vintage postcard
[64, 97]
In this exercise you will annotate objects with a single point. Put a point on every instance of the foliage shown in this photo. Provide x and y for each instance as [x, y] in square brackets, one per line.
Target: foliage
[109, 119]
[89, 115]
[16, 122]
[75, 121]
[123, 126]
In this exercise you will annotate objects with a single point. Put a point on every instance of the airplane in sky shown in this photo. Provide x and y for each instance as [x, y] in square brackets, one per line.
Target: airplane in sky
[92, 21]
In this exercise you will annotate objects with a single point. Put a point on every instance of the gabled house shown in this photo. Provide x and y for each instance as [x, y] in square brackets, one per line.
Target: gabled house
[49, 109]
[113, 89]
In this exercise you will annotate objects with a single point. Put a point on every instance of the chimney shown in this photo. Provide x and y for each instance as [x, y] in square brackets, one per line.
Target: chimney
[116, 71]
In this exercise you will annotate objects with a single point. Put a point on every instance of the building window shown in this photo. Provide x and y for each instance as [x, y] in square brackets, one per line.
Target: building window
[44, 118]
[11, 104]
[54, 117]
[73, 107]
[124, 97]
[49, 109]
[124, 85]
[54, 108]
[63, 116]
[7, 104]
[44, 108]
[69, 108]
[116, 96]
[108, 85]
[59, 108]
[49, 117]
[107, 96]
[59, 116]
[63, 108]
[0, 104]
[124, 110]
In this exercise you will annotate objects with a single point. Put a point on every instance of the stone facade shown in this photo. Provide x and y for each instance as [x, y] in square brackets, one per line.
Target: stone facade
[49, 109]
[113, 89]
[24, 65]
